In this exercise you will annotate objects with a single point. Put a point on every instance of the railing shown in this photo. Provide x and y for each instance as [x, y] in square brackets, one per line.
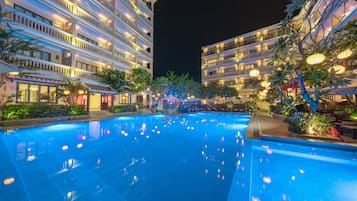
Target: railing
[136, 8]
[34, 24]
[107, 5]
[29, 62]
[89, 46]
[247, 40]
[120, 58]
[262, 69]
[133, 25]
[93, 21]
[64, 4]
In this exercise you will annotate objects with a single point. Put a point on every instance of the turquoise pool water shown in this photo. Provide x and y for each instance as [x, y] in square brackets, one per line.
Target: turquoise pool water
[148, 158]
[191, 157]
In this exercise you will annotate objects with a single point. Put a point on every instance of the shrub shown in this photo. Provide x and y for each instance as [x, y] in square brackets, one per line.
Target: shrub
[319, 123]
[298, 123]
[40, 110]
[124, 108]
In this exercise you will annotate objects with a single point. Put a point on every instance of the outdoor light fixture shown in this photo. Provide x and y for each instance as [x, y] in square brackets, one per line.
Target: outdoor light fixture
[66, 92]
[345, 54]
[265, 84]
[315, 59]
[254, 73]
[80, 92]
[339, 69]
[14, 73]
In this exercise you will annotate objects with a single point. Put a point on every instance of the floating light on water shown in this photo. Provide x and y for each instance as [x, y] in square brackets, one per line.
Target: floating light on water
[31, 158]
[315, 59]
[80, 145]
[8, 181]
[267, 180]
[64, 147]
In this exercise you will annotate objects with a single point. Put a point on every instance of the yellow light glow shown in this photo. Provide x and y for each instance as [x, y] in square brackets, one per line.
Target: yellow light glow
[315, 59]
[254, 73]
[339, 69]
[265, 84]
[14, 73]
[345, 54]
[9, 181]
[66, 92]
[80, 92]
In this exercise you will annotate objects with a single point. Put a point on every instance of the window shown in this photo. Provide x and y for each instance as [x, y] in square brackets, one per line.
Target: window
[42, 55]
[87, 39]
[32, 14]
[87, 67]
[34, 93]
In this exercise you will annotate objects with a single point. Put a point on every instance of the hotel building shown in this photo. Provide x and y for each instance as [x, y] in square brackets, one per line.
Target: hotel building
[231, 62]
[242, 62]
[78, 38]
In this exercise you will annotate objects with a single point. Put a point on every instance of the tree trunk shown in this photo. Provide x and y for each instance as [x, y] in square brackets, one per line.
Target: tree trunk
[314, 104]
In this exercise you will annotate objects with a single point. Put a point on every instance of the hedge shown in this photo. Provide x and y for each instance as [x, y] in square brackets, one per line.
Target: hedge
[124, 108]
[38, 110]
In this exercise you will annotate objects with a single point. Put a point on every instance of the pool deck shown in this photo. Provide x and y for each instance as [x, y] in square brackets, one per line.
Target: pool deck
[263, 124]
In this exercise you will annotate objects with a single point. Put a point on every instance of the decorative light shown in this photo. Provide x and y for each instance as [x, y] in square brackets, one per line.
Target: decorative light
[80, 92]
[66, 92]
[14, 73]
[254, 73]
[9, 181]
[265, 84]
[345, 54]
[339, 69]
[315, 59]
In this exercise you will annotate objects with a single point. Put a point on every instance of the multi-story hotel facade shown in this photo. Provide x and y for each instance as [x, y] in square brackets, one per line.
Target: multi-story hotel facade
[78, 38]
[232, 62]
[242, 62]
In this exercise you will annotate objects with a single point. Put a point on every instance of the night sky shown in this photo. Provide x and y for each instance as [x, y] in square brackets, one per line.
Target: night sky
[182, 27]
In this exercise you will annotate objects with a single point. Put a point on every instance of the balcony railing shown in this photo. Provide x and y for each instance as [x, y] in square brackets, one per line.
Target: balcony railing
[107, 5]
[93, 48]
[247, 40]
[64, 4]
[262, 69]
[39, 26]
[34, 63]
[135, 8]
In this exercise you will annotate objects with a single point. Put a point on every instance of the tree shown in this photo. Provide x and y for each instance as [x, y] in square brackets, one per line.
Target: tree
[10, 43]
[141, 80]
[292, 50]
[71, 91]
[115, 79]
[174, 85]
[214, 89]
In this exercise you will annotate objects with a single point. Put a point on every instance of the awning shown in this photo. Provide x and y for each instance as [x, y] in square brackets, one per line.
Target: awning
[40, 76]
[342, 91]
[6, 68]
[97, 87]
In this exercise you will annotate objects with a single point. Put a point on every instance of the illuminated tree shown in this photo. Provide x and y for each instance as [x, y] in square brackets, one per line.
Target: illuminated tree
[310, 36]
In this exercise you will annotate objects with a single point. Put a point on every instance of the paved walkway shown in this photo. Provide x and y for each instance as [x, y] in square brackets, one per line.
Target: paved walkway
[263, 124]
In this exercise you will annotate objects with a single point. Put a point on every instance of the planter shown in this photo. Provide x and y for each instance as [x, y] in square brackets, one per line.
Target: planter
[22, 122]
[279, 116]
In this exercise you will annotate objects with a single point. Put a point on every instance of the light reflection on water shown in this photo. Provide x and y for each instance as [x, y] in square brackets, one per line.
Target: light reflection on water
[159, 157]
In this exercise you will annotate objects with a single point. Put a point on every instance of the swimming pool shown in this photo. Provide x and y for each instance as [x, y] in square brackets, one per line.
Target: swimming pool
[146, 158]
[191, 157]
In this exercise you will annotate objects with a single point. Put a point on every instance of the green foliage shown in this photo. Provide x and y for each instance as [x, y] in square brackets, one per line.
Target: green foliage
[114, 78]
[298, 123]
[214, 89]
[124, 108]
[176, 85]
[73, 86]
[10, 43]
[141, 80]
[40, 110]
[230, 105]
[353, 116]
[291, 51]
[319, 123]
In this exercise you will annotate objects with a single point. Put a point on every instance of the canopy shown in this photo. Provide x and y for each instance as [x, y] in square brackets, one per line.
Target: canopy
[6, 68]
[342, 91]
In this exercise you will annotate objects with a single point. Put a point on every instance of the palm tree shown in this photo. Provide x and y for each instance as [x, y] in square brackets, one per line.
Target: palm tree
[71, 91]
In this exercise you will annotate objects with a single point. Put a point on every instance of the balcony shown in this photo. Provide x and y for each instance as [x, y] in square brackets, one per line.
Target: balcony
[107, 5]
[93, 48]
[30, 62]
[39, 26]
[136, 9]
